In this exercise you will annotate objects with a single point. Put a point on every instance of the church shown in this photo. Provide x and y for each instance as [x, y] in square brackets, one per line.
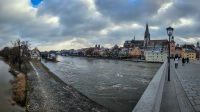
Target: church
[145, 44]
[149, 47]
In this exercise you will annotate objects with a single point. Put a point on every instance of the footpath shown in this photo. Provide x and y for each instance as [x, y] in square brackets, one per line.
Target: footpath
[47, 93]
[182, 92]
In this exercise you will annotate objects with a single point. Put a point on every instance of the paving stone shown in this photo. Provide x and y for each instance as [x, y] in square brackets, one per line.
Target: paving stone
[197, 107]
[189, 89]
[196, 97]
[190, 81]
[191, 94]
[190, 98]
[196, 89]
[197, 102]
[192, 102]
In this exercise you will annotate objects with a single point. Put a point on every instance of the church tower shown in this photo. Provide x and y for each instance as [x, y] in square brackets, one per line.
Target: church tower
[172, 47]
[146, 36]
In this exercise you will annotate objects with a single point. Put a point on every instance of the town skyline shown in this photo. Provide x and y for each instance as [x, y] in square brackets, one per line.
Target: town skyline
[57, 25]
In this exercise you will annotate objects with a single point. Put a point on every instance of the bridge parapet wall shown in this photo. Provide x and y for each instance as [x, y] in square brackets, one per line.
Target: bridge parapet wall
[150, 101]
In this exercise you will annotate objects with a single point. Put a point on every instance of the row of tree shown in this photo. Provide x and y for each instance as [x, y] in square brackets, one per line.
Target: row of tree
[16, 55]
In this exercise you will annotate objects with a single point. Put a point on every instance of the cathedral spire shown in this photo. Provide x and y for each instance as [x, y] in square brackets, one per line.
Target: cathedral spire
[147, 27]
[146, 36]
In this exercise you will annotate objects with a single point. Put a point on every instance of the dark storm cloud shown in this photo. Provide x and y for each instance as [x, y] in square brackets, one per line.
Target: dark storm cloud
[75, 16]
[128, 10]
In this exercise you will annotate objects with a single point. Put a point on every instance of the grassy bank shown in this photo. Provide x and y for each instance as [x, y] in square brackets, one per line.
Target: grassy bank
[19, 89]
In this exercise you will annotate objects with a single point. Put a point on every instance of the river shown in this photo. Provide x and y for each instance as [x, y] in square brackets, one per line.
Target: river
[115, 84]
[6, 80]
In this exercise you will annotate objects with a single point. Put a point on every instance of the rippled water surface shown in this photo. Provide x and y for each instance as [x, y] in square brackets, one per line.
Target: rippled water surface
[115, 84]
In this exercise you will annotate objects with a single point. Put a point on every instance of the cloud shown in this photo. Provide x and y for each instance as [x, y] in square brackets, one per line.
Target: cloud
[63, 24]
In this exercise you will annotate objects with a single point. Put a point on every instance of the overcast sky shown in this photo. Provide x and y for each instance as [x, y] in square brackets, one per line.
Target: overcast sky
[66, 24]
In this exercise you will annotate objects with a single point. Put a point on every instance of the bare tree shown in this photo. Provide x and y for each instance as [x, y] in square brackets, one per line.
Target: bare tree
[21, 50]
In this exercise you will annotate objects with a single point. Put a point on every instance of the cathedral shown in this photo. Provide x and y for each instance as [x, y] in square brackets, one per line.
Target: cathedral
[147, 43]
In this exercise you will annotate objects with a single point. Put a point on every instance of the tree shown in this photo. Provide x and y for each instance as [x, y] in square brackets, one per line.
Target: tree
[20, 52]
[5, 52]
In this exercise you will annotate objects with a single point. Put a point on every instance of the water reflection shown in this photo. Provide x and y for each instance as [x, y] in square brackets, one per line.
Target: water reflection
[6, 80]
[114, 84]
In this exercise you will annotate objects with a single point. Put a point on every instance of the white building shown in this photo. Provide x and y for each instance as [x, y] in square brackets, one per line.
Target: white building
[35, 54]
[155, 56]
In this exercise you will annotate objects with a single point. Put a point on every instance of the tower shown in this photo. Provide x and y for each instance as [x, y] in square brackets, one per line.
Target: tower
[172, 47]
[146, 36]
[197, 44]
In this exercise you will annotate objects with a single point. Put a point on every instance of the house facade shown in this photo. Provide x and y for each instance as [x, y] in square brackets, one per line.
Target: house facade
[35, 54]
[188, 51]
[135, 52]
[155, 56]
[123, 52]
[178, 52]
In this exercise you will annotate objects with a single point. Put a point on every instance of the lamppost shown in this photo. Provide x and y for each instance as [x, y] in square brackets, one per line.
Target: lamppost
[169, 32]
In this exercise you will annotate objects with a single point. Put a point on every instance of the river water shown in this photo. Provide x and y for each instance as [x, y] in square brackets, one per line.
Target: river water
[115, 84]
[6, 80]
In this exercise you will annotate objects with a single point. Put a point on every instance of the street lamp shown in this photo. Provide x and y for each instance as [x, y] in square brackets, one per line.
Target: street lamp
[169, 32]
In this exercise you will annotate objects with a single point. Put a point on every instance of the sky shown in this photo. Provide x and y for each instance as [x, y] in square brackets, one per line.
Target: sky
[68, 24]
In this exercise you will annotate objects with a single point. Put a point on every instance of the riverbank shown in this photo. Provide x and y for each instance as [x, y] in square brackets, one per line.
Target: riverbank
[114, 84]
[19, 89]
[46, 92]
[7, 80]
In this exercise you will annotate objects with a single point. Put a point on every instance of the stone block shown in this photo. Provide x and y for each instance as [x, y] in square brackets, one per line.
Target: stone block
[197, 107]
[196, 97]
[197, 102]
[190, 98]
[196, 89]
[192, 102]
[191, 94]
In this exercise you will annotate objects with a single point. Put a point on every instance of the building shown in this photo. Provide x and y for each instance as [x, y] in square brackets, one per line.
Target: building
[134, 43]
[188, 51]
[135, 52]
[178, 51]
[35, 54]
[155, 56]
[197, 51]
[157, 51]
[64, 52]
[172, 47]
[123, 52]
[144, 44]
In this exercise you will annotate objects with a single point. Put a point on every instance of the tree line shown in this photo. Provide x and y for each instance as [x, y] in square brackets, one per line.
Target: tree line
[17, 55]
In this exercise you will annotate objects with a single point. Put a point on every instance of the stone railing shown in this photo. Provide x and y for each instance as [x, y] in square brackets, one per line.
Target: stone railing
[151, 99]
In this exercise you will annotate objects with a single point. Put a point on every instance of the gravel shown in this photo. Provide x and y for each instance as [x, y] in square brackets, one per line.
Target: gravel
[47, 93]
